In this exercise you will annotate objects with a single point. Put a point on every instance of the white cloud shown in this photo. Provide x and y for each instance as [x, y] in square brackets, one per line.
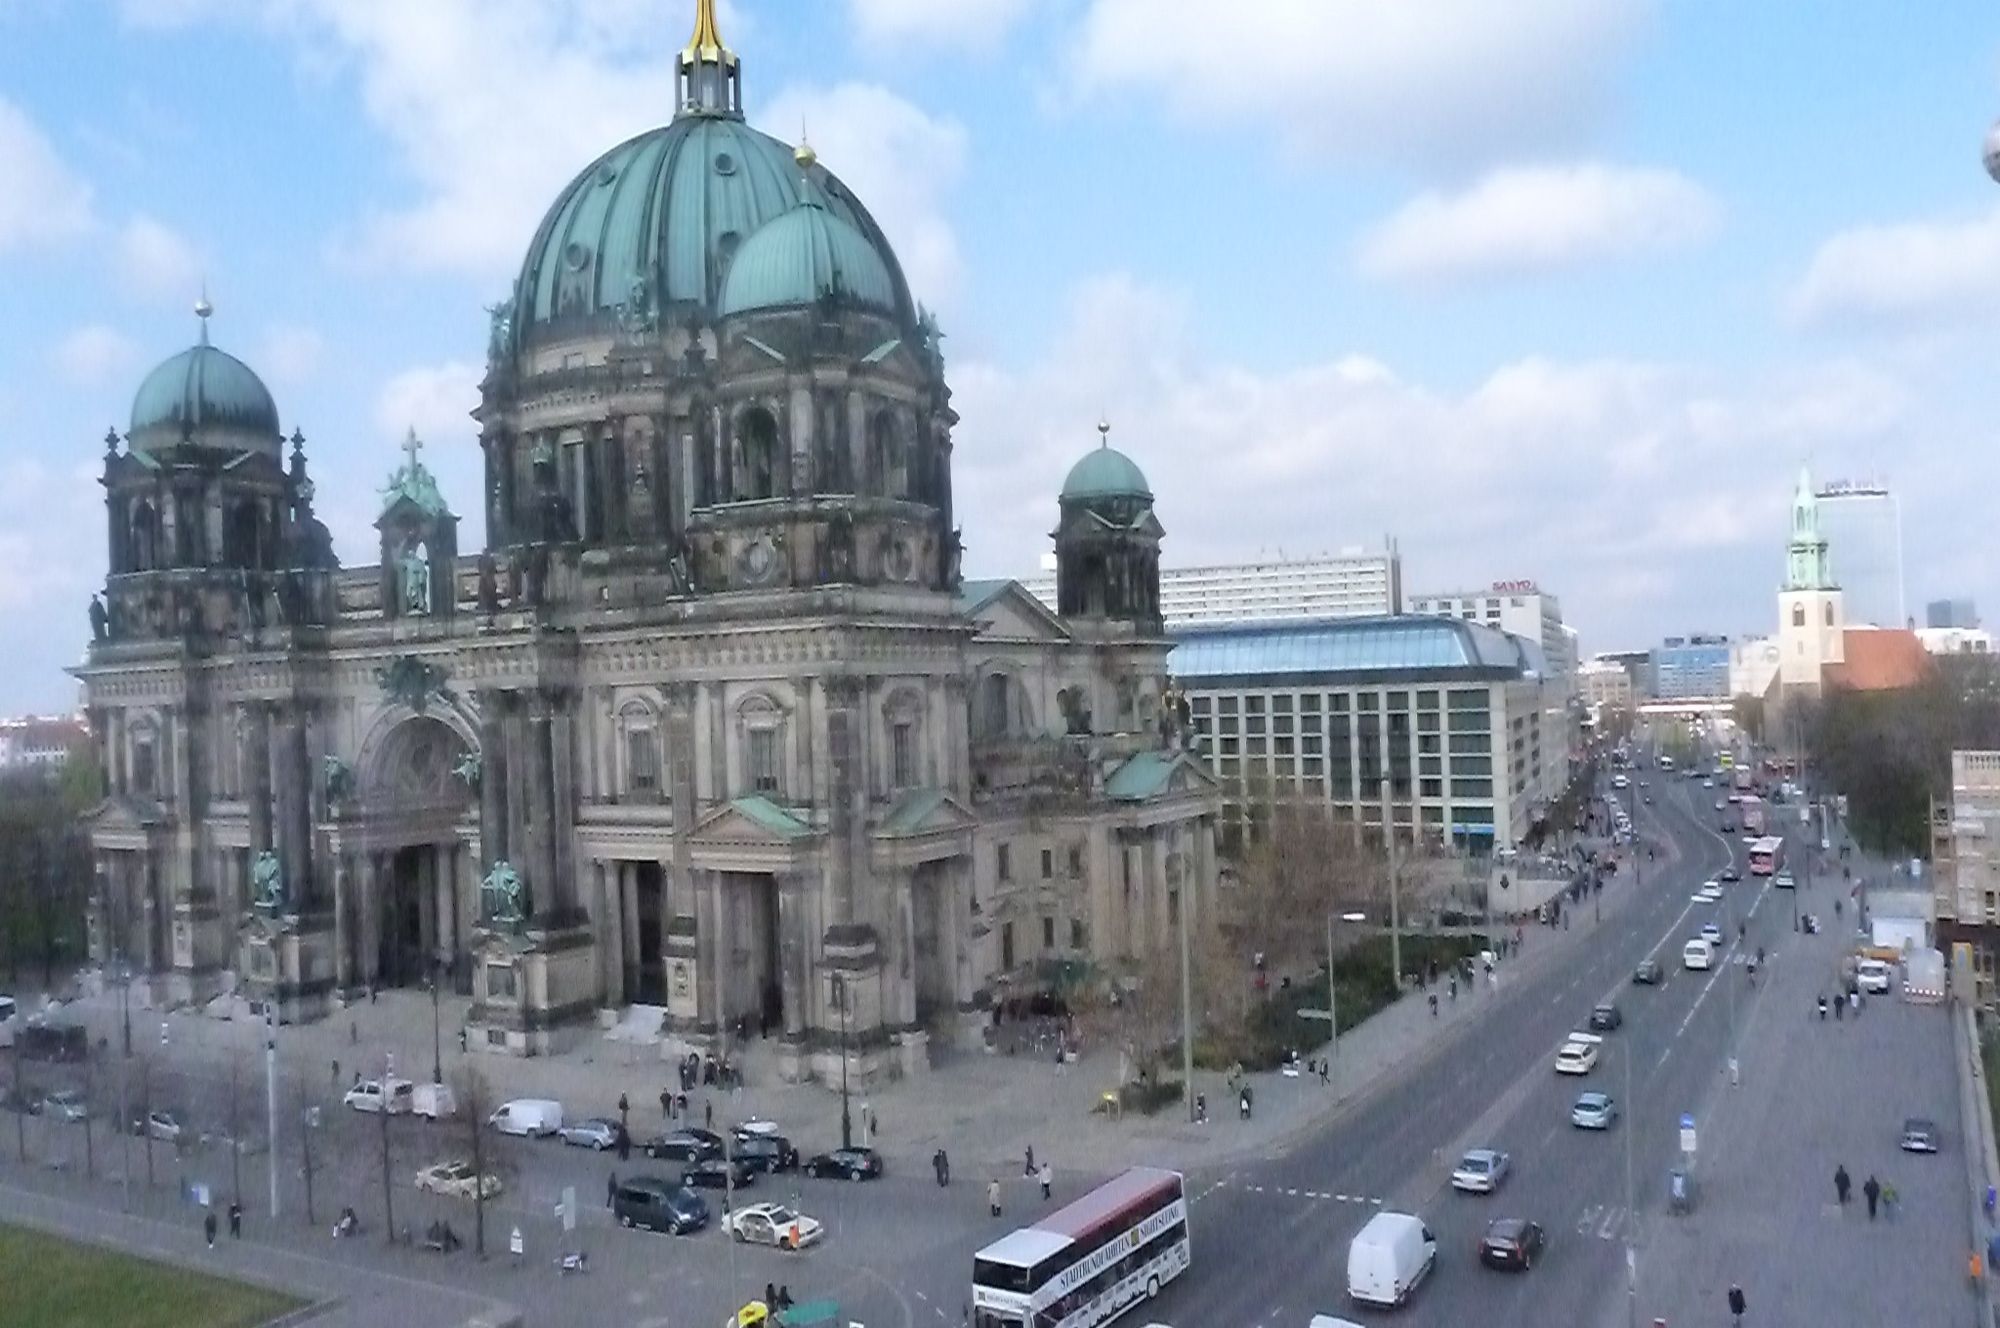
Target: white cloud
[288, 353]
[42, 201]
[1536, 219]
[1587, 475]
[1444, 81]
[1912, 272]
[899, 161]
[96, 356]
[155, 259]
[974, 25]
[435, 400]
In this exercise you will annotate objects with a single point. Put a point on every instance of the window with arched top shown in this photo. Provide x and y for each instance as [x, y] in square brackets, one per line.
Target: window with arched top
[1798, 615]
[1829, 615]
[144, 742]
[145, 547]
[996, 709]
[639, 751]
[758, 429]
[760, 725]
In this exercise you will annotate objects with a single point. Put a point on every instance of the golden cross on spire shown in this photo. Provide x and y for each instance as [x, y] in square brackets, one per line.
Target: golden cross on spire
[411, 446]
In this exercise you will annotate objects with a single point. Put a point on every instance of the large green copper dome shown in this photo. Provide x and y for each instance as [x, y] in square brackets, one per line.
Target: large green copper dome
[203, 395]
[653, 224]
[805, 256]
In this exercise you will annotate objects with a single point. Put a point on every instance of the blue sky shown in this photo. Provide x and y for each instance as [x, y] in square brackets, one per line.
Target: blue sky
[1561, 289]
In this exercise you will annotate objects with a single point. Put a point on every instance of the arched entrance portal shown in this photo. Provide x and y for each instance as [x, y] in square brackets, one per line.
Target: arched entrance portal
[416, 907]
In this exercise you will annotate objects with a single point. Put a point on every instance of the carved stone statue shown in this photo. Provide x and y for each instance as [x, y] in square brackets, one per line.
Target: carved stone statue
[416, 580]
[339, 778]
[502, 892]
[267, 879]
[468, 770]
[500, 332]
[99, 620]
[489, 589]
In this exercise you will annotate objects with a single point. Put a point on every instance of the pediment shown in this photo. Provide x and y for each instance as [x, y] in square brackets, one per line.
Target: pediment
[925, 812]
[751, 819]
[1152, 775]
[1012, 614]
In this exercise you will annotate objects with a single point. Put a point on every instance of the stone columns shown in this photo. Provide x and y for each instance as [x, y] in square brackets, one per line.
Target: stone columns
[543, 884]
[343, 921]
[710, 949]
[560, 736]
[794, 946]
[493, 781]
[369, 951]
[293, 777]
[257, 776]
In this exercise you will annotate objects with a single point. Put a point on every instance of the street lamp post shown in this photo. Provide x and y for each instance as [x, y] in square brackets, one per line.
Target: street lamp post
[437, 1029]
[846, 1117]
[1332, 989]
[1395, 903]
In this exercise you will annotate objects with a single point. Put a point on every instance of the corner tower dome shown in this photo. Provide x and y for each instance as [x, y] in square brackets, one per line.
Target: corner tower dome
[1105, 472]
[646, 233]
[206, 397]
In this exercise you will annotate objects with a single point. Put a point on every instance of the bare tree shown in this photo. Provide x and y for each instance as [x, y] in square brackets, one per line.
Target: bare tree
[1304, 864]
[472, 1095]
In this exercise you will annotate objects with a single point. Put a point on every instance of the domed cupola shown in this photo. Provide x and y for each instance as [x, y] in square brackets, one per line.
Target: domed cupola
[1108, 541]
[204, 397]
[644, 236]
[805, 256]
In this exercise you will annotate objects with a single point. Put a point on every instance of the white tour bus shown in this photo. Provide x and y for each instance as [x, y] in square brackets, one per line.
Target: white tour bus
[1089, 1261]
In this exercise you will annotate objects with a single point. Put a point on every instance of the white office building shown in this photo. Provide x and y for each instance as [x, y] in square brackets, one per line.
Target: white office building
[1350, 584]
[1605, 684]
[1518, 607]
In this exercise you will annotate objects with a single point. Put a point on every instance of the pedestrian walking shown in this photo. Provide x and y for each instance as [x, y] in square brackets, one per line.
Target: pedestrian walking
[1048, 1178]
[993, 1197]
[1326, 1070]
[1028, 1166]
[1736, 1302]
[708, 1115]
[1889, 1203]
[463, 1035]
[335, 1081]
[354, 1032]
[1841, 1183]
[771, 1295]
[208, 1227]
[666, 1104]
[624, 1144]
[1434, 1005]
[235, 1220]
[610, 1189]
[1871, 1189]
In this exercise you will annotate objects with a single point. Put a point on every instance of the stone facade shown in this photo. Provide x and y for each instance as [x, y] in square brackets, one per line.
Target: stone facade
[712, 724]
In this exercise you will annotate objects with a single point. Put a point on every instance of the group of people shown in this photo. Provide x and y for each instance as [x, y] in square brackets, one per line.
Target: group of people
[1043, 1175]
[1872, 1190]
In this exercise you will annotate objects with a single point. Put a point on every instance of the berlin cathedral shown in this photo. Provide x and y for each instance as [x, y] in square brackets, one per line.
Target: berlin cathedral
[711, 733]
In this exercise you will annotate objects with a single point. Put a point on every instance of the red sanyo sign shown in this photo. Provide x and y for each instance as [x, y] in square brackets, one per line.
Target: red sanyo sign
[1514, 588]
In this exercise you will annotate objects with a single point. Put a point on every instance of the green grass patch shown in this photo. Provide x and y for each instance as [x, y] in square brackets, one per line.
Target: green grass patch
[49, 1282]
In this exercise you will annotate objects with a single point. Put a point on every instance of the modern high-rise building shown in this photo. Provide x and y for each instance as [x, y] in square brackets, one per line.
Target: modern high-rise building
[1689, 668]
[1350, 584]
[1951, 613]
[1863, 528]
[1519, 607]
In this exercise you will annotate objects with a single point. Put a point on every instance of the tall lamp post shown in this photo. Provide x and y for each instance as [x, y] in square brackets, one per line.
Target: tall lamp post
[437, 1033]
[1395, 902]
[846, 1117]
[1332, 993]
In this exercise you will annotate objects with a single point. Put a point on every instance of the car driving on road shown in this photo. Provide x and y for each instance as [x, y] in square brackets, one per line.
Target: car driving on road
[1511, 1243]
[1480, 1171]
[772, 1224]
[1711, 933]
[1578, 1055]
[1710, 893]
[845, 1164]
[1920, 1135]
[689, 1145]
[1648, 973]
[1593, 1111]
[1606, 1017]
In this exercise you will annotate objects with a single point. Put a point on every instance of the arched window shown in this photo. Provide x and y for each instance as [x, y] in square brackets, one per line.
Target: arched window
[760, 721]
[1829, 615]
[997, 698]
[1798, 615]
[145, 536]
[759, 432]
[640, 742]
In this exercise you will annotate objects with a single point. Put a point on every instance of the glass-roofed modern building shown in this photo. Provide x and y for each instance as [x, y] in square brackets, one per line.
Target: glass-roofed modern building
[1444, 721]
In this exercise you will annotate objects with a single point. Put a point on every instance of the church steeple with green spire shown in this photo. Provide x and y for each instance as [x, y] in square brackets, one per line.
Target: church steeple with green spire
[1806, 564]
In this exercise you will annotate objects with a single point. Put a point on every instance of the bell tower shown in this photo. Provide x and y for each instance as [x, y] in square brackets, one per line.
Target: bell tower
[1108, 542]
[1812, 619]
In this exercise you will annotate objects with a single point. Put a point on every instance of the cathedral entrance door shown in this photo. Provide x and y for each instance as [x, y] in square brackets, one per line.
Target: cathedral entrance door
[407, 896]
[753, 1000]
[650, 905]
[930, 956]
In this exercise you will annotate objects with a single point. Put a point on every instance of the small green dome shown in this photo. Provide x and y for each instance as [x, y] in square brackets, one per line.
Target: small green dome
[203, 393]
[655, 222]
[801, 257]
[1105, 472]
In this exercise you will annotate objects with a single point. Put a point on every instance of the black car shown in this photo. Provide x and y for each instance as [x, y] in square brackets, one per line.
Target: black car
[658, 1205]
[1605, 1017]
[1729, 873]
[765, 1152]
[1648, 973]
[717, 1173]
[1512, 1242]
[846, 1164]
[689, 1145]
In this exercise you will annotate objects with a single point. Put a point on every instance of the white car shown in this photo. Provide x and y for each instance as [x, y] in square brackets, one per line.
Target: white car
[1710, 893]
[1579, 1054]
[1874, 977]
[598, 1132]
[1711, 933]
[455, 1178]
[1481, 1171]
[399, 1095]
[772, 1224]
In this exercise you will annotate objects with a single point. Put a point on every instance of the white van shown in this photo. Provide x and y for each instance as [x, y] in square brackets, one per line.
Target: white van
[1388, 1258]
[1697, 955]
[395, 1096]
[536, 1116]
[1874, 976]
[435, 1101]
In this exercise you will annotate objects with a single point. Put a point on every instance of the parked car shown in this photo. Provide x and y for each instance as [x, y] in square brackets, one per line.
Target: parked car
[1606, 1017]
[845, 1164]
[456, 1178]
[596, 1132]
[717, 1173]
[1593, 1111]
[1481, 1171]
[1512, 1243]
[395, 1096]
[1920, 1135]
[39, 1041]
[689, 1145]
[765, 1152]
[658, 1205]
[772, 1224]
[536, 1117]
[66, 1104]
[165, 1126]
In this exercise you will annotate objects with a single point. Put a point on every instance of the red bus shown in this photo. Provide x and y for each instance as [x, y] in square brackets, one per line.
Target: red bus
[1767, 855]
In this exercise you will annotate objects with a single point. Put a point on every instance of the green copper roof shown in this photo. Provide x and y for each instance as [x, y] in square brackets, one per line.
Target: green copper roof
[198, 391]
[651, 226]
[802, 257]
[771, 816]
[1105, 472]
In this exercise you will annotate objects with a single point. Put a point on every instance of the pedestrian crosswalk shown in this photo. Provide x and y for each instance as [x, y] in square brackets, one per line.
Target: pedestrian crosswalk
[1292, 1192]
[1606, 1222]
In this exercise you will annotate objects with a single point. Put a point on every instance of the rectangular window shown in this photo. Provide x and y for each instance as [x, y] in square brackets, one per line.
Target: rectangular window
[1309, 703]
[1048, 933]
[1048, 864]
[642, 761]
[764, 760]
[1427, 700]
[1006, 946]
[1173, 908]
[1075, 860]
[1433, 788]
[1227, 705]
[1076, 936]
[1253, 705]
[1003, 862]
[903, 754]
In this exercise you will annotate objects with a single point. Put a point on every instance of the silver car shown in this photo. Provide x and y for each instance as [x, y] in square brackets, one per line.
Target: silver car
[1593, 1111]
[597, 1132]
[1481, 1171]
